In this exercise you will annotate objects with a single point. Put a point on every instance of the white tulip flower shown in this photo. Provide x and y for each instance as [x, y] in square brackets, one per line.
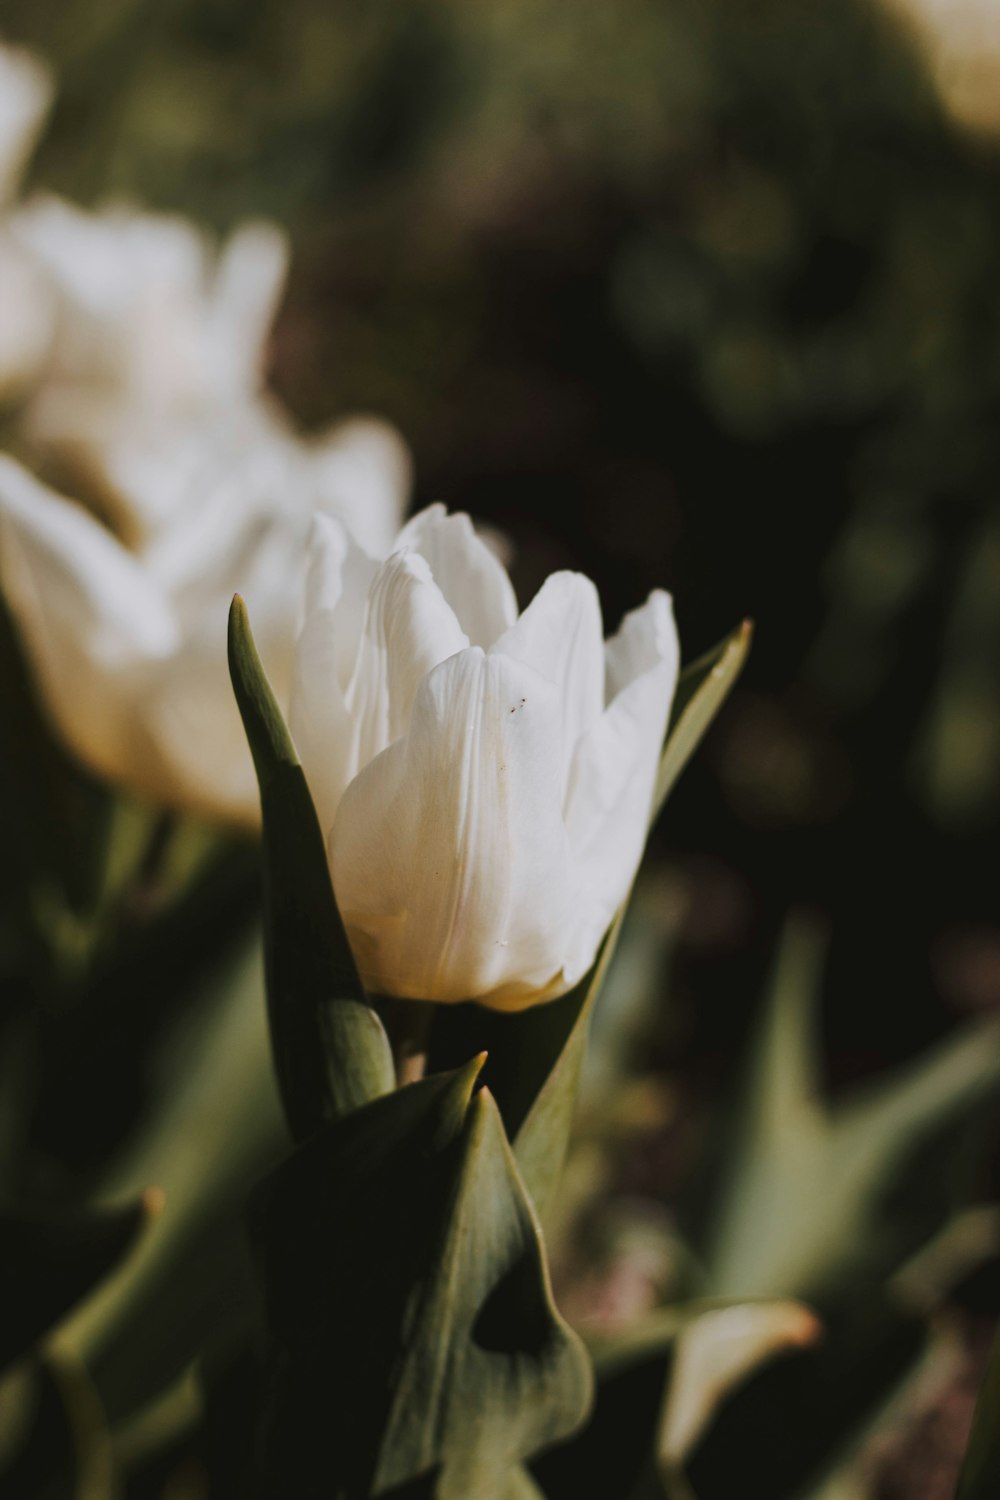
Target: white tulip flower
[129, 646]
[484, 778]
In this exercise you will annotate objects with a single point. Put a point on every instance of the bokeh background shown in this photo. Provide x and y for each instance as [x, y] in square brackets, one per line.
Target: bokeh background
[686, 293]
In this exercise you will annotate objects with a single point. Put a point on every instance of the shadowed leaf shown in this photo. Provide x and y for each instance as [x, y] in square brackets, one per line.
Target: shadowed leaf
[411, 1322]
[50, 1259]
[806, 1182]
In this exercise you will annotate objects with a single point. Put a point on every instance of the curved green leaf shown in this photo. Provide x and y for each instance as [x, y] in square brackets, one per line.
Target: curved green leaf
[702, 688]
[50, 1258]
[330, 1050]
[53, 1434]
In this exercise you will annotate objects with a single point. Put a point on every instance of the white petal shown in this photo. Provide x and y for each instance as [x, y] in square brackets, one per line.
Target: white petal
[249, 281]
[408, 628]
[614, 770]
[198, 757]
[27, 318]
[337, 582]
[467, 572]
[92, 621]
[92, 586]
[25, 96]
[449, 856]
[646, 637]
[361, 472]
[560, 634]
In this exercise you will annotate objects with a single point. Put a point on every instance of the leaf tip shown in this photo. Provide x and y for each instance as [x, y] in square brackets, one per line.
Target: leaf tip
[153, 1202]
[472, 1069]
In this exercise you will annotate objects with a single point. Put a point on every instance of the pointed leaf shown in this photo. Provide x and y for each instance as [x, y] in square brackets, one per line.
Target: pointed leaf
[796, 1420]
[804, 1190]
[716, 1351]
[702, 688]
[413, 1330]
[330, 1050]
[658, 1387]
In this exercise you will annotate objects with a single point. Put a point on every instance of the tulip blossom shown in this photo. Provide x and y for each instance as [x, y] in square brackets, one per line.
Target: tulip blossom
[128, 646]
[158, 351]
[484, 777]
[26, 307]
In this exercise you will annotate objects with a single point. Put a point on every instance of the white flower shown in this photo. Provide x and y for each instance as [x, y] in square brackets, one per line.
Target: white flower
[26, 308]
[960, 43]
[159, 341]
[129, 646]
[484, 778]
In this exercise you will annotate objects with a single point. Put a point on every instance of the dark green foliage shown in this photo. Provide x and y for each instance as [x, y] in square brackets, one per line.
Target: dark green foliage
[411, 1325]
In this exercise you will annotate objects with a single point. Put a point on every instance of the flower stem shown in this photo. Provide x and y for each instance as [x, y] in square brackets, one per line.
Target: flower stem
[408, 1025]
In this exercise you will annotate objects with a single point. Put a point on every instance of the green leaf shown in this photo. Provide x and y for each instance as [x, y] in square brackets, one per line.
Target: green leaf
[795, 1422]
[980, 1477]
[188, 1279]
[806, 1183]
[536, 1056]
[702, 689]
[51, 1258]
[659, 1385]
[413, 1332]
[330, 1050]
[53, 1435]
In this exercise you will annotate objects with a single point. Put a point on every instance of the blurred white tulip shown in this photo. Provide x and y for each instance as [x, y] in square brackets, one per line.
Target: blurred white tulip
[129, 646]
[960, 42]
[484, 778]
[157, 338]
[26, 304]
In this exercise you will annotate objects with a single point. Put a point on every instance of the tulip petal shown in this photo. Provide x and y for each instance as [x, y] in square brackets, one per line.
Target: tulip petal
[468, 573]
[337, 581]
[646, 637]
[614, 769]
[199, 756]
[561, 635]
[361, 472]
[25, 96]
[27, 318]
[409, 628]
[249, 280]
[449, 856]
[91, 619]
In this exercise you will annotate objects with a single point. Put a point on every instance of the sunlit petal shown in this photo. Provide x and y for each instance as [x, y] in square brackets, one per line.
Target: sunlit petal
[467, 571]
[560, 634]
[449, 855]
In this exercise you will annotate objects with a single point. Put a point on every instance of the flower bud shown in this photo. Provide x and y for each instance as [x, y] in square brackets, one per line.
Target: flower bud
[484, 778]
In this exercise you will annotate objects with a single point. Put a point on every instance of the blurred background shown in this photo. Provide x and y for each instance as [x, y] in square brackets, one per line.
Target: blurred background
[684, 293]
